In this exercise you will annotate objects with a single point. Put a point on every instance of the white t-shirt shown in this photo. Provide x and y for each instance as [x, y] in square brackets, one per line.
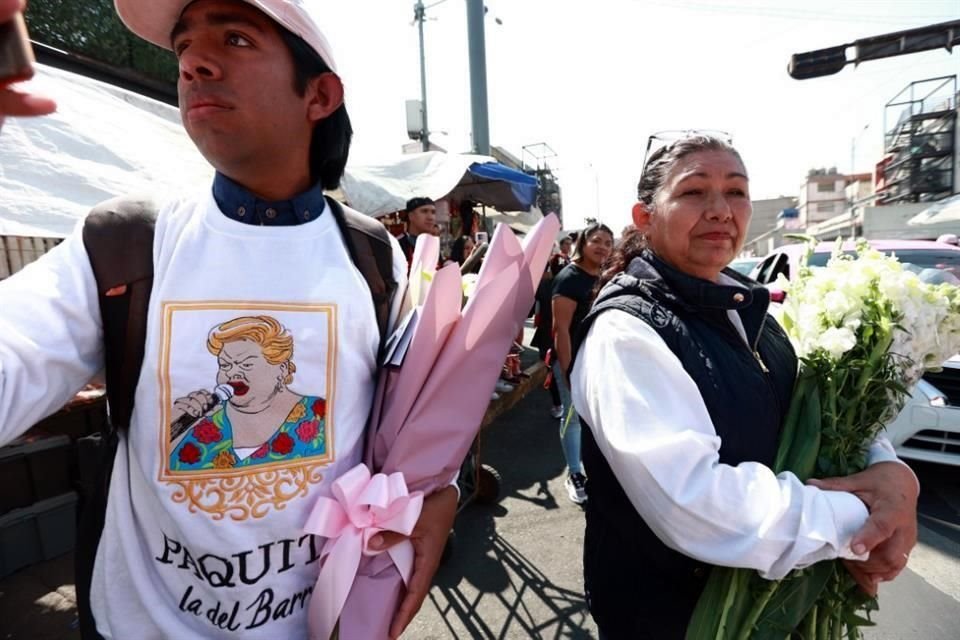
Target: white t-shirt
[203, 535]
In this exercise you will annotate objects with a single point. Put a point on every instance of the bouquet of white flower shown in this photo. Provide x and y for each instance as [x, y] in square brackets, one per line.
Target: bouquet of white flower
[865, 328]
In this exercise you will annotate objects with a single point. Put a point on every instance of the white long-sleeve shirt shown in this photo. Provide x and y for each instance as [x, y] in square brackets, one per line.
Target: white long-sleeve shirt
[652, 426]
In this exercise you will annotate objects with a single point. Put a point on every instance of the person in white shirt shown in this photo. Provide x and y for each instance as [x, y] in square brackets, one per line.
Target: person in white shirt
[684, 380]
[203, 536]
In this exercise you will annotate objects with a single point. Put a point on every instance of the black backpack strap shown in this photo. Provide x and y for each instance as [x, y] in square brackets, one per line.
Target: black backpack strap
[368, 243]
[118, 237]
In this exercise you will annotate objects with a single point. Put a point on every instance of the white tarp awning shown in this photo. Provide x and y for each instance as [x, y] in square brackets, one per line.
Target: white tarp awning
[103, 141]
[946, 210]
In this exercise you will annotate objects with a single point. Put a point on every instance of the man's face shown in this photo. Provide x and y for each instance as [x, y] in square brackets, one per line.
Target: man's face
[565, 246]
[236, 86]
[422, 220]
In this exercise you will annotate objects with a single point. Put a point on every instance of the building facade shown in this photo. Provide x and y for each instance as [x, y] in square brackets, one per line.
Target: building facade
[822, 196]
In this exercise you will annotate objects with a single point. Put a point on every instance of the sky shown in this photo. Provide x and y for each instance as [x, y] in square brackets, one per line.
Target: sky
[593, 79]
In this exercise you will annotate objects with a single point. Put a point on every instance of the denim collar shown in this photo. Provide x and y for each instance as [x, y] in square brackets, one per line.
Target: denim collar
[238, 203]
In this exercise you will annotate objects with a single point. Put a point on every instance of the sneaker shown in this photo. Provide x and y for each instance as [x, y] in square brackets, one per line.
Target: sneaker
[556, 411]
[576, 488]
[504, 387]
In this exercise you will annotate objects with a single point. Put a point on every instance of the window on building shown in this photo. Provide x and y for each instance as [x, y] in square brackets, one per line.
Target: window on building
[826, 186]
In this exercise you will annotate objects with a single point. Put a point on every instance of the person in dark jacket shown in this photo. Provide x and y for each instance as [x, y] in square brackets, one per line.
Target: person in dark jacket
[683, 381]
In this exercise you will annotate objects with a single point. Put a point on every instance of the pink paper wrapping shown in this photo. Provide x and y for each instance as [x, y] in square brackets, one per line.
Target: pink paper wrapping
[427, 413]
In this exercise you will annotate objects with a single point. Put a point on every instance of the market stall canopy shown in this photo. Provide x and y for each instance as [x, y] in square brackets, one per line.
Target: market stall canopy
[103, 141]
[946, 210]
[520, 221]
[384, 188]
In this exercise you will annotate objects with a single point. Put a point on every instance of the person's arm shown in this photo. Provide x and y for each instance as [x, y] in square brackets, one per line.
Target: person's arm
[563, 310]
[16, 103]
[650, 422]
[51, 341]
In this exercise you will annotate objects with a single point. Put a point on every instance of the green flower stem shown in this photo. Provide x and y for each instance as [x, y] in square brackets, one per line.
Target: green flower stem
[823, 623]
[746, 629]
[809, 625]
[733, 593]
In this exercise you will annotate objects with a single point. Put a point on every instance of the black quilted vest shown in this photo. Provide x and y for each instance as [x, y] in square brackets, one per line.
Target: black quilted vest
[636, 586]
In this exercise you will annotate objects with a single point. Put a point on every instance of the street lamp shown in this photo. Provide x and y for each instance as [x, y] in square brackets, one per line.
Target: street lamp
[853, 149]
[478, 73]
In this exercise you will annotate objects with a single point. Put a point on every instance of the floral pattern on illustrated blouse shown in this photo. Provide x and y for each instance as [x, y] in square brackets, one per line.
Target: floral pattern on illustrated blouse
[209, 444]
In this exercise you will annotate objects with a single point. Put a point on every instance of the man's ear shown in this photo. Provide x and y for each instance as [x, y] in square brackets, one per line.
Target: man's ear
[641, 216]
[325, 93]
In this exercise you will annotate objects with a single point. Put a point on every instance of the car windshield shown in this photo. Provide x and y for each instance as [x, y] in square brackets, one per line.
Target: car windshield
[744, 265]
[919, 259]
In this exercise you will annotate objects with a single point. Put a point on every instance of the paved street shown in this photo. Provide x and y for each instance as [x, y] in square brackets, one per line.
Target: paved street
[515, 568]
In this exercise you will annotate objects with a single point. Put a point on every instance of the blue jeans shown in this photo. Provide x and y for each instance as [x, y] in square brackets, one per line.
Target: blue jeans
[569, 423]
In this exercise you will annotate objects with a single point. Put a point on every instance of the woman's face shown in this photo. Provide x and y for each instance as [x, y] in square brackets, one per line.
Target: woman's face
[699, 218]
[468, 246]
[598, 246]
[254, 380]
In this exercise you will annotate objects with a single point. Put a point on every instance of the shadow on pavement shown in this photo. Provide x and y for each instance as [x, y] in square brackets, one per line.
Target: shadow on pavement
[499, 570]
[487, 570]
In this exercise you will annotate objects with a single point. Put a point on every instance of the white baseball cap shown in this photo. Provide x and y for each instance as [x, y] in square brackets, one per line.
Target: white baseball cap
[153, 20]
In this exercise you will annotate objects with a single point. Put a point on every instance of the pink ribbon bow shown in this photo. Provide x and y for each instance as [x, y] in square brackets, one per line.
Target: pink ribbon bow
[362, 506]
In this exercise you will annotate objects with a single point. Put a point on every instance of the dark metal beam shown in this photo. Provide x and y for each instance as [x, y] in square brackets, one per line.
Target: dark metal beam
[824, 62]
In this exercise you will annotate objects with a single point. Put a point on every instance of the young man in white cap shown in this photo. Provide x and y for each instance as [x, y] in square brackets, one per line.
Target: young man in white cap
[253, 292]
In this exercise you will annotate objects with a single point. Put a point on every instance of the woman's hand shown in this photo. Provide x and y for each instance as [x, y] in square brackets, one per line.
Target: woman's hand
[429, 537]
[890, 491]
[16, 103]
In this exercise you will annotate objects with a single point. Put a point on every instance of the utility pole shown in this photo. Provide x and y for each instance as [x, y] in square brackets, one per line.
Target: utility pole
[853, 149]
[420, 15]
[478, 77]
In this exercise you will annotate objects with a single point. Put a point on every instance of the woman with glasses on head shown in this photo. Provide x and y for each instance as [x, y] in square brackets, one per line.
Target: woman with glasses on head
[683, 381]
[572, 296]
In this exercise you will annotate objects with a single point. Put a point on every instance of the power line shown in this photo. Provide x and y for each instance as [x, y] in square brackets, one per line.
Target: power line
[789, 13]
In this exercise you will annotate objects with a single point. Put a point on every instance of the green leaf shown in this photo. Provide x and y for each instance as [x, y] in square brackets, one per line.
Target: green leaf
[705, 621]
[793, 601]
[807, 439]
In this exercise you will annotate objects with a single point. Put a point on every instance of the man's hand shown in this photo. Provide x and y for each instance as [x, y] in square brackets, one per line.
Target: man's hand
[15, 103]
[890, 490]
[429, 538]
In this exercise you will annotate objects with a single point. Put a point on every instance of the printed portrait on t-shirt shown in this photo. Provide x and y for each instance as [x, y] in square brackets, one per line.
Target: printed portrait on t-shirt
[247, 400]
[252, 416]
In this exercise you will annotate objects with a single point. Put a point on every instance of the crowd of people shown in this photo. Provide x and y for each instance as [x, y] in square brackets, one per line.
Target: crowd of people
[670, 381]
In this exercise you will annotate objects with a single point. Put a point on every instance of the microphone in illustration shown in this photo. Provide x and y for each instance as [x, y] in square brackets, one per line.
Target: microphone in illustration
[221, 393]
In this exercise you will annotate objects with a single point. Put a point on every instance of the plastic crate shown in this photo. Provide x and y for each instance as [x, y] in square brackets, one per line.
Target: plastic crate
[32, 470]
[37, 533]
[82, 416]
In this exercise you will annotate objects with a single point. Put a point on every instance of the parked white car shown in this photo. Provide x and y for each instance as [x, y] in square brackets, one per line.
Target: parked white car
[928, 427]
